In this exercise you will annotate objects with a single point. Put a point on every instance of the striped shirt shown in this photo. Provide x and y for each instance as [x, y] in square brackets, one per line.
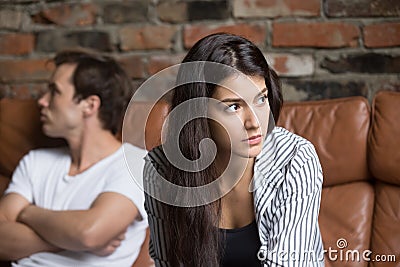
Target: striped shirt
[287, 184]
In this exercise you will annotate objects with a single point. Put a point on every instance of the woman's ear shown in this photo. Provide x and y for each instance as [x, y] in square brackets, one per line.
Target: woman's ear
[91, 105]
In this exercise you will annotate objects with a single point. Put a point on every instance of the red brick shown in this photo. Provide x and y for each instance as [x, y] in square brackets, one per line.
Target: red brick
[59, 39]
[133, 65]
[27, 91]
[160, 62]
[290, 65]
[382, 35]
[16, 44]
[325, 34]
[172, 11]
[280, 65]
[25, 70]
[147, 37]
[362, 8]
[275, 8]
[208, 10]
[69, 15]
[254, 32]
[362, 63]
[11, 19]
[127, 12]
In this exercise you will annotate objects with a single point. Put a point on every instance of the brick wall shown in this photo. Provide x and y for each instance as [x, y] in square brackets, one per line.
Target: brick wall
[320, 48]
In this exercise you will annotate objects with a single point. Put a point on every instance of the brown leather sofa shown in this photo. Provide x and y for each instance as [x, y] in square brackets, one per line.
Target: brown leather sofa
[359, 149]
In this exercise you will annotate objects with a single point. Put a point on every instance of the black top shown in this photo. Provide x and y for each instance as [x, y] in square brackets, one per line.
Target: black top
[241, 246]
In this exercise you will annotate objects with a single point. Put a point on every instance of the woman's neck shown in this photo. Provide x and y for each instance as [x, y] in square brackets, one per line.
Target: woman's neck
[235, 171]
[237, 208]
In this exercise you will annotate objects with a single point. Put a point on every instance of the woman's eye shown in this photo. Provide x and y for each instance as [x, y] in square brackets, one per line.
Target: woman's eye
[232, 108]
[262, 99]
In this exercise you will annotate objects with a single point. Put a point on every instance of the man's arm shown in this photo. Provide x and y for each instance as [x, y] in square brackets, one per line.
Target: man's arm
[83, 230]
[18, 240]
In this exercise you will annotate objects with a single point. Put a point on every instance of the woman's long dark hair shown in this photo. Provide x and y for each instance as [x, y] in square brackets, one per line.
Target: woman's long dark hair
[193, 233]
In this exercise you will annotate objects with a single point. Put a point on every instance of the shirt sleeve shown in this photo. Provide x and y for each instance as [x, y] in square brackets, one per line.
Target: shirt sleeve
[21, 182]
[121, 180]
[156, 218]
[123, 184]
[294, 238]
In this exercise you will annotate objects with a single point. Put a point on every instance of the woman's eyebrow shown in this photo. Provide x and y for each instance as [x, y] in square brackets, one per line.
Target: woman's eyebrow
[262, 91]
[240, 99]
[231, 100]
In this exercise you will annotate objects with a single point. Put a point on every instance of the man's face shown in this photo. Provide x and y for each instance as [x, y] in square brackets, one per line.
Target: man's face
[61, 115]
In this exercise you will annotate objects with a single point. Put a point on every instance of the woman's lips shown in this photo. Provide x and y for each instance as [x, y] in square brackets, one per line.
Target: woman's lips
[254, 140]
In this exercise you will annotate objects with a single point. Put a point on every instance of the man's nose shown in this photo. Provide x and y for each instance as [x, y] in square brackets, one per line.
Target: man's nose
[44, 100]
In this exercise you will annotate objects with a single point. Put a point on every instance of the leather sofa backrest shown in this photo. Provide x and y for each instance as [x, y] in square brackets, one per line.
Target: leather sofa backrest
[366, 214]
[338, 128]
[143, 122]
[384, 141]
[384, 161]
[20, 131]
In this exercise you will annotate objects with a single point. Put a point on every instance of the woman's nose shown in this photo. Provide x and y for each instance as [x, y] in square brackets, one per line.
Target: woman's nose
[251, 120]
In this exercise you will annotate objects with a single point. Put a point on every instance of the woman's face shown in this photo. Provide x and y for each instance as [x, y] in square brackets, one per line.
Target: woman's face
[239, 116]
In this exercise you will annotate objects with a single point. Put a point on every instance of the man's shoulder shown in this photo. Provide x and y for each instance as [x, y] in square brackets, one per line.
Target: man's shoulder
[131, 159]
[129, 149]
[48, 153]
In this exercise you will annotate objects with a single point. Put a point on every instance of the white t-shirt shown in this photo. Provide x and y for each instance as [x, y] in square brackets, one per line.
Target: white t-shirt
[42, 178]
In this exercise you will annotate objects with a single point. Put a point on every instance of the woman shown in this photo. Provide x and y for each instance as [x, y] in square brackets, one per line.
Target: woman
[269, 180]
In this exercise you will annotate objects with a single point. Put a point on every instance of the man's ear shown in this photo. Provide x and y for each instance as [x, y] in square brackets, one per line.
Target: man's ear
[91, 105]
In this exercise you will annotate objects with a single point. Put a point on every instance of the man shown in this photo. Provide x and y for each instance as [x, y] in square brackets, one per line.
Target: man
[78, 205]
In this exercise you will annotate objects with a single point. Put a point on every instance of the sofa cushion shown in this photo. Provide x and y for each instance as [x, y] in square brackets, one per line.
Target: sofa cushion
[384, 141]
[338, 129]
[346, 214]
[386, 223]
[384, 159]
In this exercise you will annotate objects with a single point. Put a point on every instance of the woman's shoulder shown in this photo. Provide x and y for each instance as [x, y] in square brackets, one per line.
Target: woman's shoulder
[290, 155]
[157, 158]
[303, 168]
[156, 155]
[286, 142]
[286, 138]
[281, 146]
